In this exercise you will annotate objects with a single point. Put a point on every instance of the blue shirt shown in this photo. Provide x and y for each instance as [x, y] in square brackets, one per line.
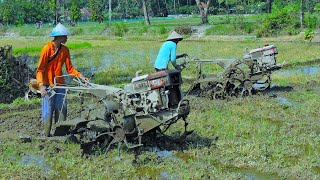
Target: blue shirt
[166, 53]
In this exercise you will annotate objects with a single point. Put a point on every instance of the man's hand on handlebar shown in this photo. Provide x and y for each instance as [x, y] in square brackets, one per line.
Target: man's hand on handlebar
[43, 90]
[181, 66]
[182, 55]
[84, 79]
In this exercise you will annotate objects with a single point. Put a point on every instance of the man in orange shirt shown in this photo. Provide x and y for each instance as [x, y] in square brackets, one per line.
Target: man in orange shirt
[53, 56]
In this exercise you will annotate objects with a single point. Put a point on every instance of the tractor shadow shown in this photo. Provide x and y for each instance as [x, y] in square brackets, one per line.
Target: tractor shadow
[170, 148]
[175, 143]
[276, 89]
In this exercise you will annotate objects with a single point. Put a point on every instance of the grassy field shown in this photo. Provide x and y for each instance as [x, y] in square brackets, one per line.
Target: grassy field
[257, 136]
[105, 57]
[265, 136]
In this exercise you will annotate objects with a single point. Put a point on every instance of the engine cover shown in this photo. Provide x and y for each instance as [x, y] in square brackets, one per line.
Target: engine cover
[264, 56]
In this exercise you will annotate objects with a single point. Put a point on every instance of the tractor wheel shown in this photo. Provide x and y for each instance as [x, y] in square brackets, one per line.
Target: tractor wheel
[262, 85]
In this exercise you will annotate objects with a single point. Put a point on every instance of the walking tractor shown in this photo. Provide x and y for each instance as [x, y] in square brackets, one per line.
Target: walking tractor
[110, 115]
[240, 77]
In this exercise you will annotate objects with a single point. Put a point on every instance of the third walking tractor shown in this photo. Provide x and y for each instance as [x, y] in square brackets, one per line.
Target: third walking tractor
[240, 77]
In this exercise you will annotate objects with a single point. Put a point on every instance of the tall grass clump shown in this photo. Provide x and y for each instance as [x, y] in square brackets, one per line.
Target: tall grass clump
[163, 30]
[77, 31]
[309, 34]
[119, 29]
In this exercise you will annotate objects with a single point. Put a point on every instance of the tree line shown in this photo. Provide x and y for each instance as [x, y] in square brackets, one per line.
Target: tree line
[30, 11]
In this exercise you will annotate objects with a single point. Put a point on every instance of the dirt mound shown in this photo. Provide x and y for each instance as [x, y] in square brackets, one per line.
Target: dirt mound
[14, 75]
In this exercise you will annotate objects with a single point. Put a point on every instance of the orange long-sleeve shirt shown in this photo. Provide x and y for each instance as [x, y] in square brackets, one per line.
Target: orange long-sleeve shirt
[47, 71]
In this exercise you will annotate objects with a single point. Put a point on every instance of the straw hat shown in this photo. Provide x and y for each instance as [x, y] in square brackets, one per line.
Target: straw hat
[174, 35]
[60, 30]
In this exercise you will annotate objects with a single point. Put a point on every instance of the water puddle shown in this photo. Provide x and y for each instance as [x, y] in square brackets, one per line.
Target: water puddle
[299, 70]
[35, 160]
[162, 153]
[253, 175]
[166, 175]
[178, 155]
[284, 101]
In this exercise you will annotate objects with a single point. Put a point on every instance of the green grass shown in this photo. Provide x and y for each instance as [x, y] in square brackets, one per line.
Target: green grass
[20, 102]
[38, 49]
[256, 135]
[132, 55]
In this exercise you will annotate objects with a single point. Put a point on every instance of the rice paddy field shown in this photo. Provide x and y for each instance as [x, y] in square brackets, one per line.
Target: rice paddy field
[271, 135]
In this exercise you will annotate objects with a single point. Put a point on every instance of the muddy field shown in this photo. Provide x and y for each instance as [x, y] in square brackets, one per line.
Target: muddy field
[23, 121]
[270, 135]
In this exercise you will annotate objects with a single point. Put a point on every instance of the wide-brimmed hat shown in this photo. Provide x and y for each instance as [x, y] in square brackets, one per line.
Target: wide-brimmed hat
[60, 30]
[174, 35]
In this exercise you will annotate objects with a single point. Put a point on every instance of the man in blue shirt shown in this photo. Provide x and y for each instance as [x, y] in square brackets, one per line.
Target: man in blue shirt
[167, 52]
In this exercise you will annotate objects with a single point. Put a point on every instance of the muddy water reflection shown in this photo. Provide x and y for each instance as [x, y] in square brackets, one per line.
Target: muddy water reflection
[300, 70]
[253, 175]
[166, 175]
[162, 153]
[35, 160]
[285, 101]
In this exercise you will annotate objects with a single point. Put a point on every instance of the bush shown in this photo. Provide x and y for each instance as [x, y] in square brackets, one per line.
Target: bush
[280, 21]
[119, 29]
[225, 19]
[310, 21]
[308, 34]
[248, 27]
[238, 22]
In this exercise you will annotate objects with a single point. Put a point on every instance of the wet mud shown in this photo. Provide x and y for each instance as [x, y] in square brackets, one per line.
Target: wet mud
[24, 121]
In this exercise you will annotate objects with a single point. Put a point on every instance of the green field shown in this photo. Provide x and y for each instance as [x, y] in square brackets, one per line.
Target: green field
[264, 136]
